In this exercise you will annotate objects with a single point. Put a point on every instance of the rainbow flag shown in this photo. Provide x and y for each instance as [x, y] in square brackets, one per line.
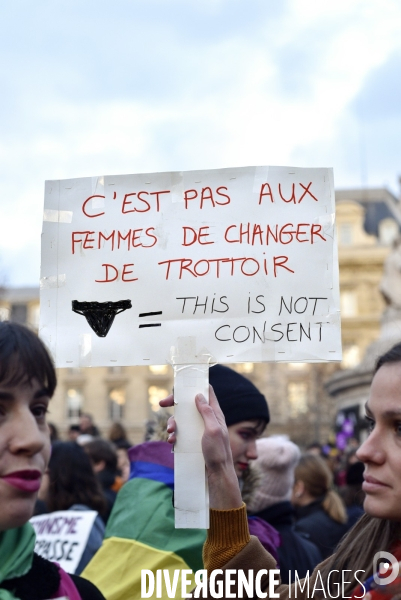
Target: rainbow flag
[140, 533]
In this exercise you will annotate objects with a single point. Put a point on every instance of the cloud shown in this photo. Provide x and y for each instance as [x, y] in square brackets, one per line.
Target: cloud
[365, 146]
[144, 50]
[96, 87]
[379, 100]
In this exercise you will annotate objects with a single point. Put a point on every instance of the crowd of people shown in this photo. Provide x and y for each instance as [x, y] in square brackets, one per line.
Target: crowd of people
[273, 505]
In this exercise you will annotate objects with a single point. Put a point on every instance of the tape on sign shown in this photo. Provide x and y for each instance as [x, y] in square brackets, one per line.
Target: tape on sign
[57, 216]
[85, 350]
[261, 176]
[54, 281]
[185, 352]
[177, 187]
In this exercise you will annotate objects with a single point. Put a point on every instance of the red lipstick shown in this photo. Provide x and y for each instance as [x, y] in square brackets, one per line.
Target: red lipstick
[27, 480]
[242, 466]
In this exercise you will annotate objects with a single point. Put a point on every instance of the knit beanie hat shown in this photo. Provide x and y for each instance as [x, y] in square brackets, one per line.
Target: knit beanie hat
[276, 462]
[239, 399]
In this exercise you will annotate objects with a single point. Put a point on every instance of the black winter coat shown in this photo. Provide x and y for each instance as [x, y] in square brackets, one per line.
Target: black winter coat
[313, 521]
[295, 553]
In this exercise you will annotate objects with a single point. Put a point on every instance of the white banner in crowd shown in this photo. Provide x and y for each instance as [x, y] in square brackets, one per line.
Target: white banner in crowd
[228, 265]
[62, 536]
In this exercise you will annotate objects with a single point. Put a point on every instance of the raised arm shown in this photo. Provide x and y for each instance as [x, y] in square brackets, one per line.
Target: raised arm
[228, 545]
[224, 492]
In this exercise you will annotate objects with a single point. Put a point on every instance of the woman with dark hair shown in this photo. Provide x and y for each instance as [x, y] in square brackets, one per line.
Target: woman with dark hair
[118, 435]
[319, 511]
[27, 383]
[72, 484]
[72, 480]
[103, 457]
[229, 546]
[54, 434]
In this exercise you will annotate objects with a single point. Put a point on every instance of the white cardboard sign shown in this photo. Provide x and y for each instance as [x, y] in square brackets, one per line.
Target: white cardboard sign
[228, 265]
[62, 536]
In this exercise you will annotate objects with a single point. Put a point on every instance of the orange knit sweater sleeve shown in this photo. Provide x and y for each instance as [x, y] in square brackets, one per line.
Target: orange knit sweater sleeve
[227, 535]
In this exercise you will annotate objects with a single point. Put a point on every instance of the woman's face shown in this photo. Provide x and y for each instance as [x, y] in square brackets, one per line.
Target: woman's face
[381, 452]
[24, 450]
[243, 436]
[123, 463]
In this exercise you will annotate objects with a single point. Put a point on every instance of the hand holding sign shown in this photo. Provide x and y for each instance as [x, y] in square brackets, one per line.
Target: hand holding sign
[224, 492]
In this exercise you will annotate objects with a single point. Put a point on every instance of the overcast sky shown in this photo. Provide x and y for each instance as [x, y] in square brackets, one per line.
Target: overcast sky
[93, 87]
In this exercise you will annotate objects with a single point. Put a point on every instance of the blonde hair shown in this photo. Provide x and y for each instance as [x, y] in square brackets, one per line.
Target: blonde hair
[318, 481]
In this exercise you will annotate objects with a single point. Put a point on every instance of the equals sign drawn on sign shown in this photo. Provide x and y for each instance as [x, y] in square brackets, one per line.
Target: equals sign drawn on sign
[150, 314]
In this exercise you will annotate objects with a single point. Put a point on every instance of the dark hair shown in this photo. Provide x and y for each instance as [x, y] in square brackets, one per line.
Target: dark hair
[24, 357]
[122, 445]
[54, 434]
[72, 480]
[87, 415]
[99, 450]
[391, 356]
[117, 432]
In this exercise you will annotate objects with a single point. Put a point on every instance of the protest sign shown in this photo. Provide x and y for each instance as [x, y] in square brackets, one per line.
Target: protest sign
[191, 268]
[62, 536]
[227, 265]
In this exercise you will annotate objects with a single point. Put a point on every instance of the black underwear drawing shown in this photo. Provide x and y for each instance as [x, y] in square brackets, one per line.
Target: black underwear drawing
[100, 315]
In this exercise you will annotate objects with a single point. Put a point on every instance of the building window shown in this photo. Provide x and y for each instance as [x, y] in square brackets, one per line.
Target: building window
[351, 356]
[297, 398]
[348, 304]
[346, 236]
[34, 316]
[74, 403]
[73, 371]
[388, 231]
[19, 313]
[158, 369]
[297, 366]
[156, 393]
[4, 313]
[116, 404]
[246, 367]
